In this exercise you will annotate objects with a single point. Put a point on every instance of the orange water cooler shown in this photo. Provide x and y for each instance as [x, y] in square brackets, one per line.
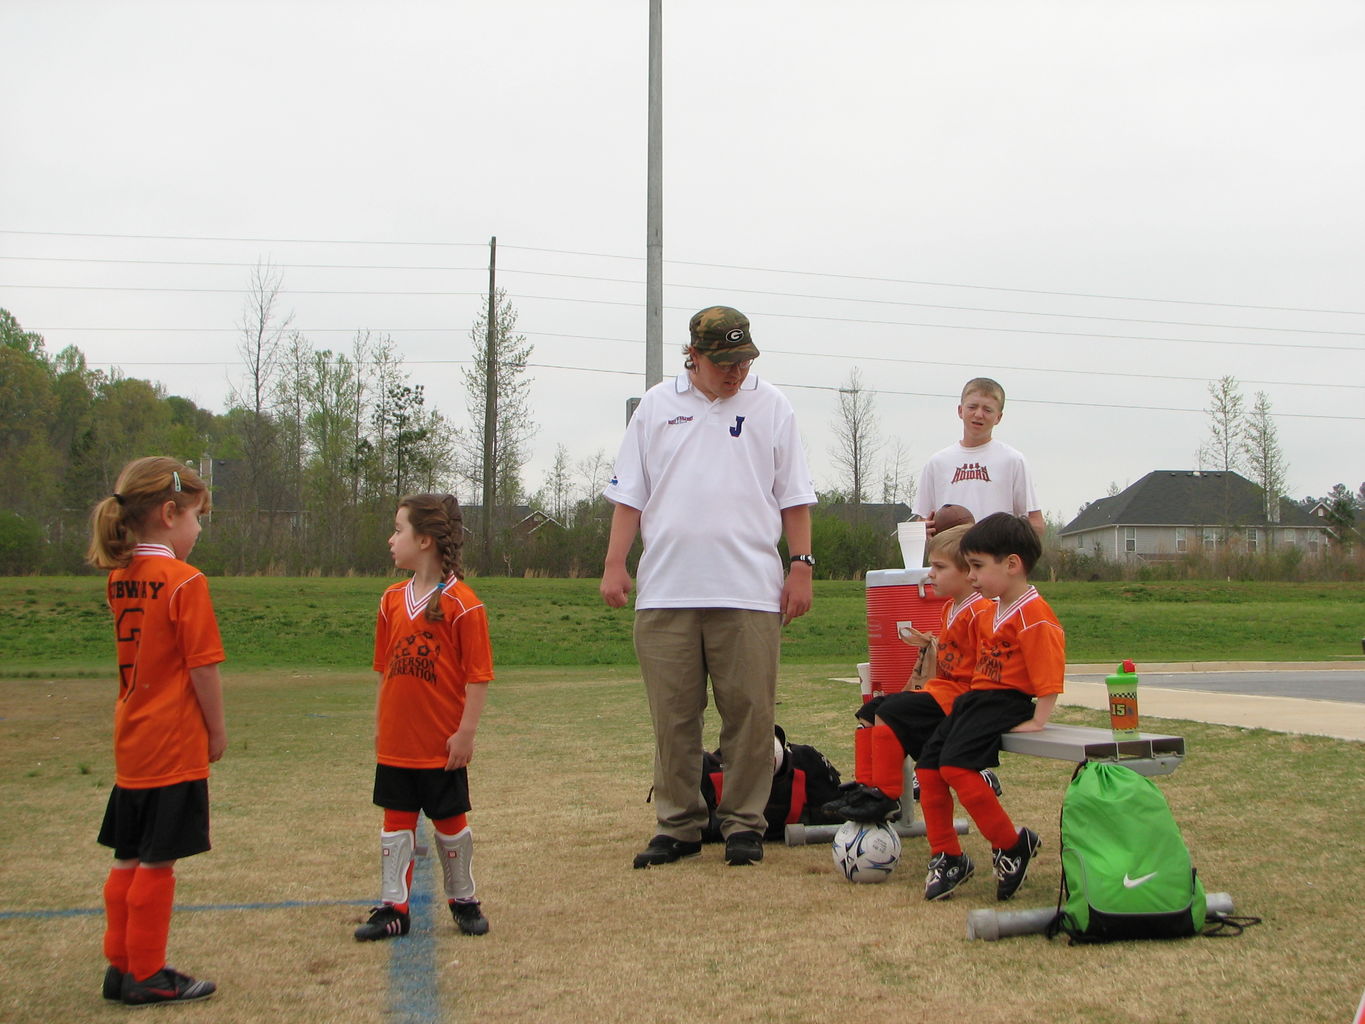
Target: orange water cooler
[897, 595]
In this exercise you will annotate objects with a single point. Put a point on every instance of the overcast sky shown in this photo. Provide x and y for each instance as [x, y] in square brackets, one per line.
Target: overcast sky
[1102, 205]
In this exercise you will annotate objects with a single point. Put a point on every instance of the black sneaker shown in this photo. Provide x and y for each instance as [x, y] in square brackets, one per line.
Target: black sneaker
[469, 917]
[665, 850]
[946, 872]
[743, 848]
[165, 986]
[992, 780]
[385, 922]
[1011, 866]
[865, 803]
[113, 983]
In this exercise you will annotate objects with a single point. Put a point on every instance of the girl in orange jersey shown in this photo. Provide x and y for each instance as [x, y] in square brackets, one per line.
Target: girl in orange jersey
[434, 661]
[168, 721]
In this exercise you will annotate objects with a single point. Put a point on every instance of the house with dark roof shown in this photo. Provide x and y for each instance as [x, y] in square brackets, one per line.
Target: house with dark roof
[1170, 513]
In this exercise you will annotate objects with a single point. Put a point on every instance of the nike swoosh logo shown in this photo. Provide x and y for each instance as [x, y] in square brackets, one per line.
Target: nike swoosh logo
[1133, 883]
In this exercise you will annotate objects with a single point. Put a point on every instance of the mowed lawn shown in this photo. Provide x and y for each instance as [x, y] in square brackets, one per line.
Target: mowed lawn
[560, 783]
[60, 624]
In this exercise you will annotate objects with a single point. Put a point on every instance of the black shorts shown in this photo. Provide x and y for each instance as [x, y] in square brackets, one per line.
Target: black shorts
[435, 792]
[912, 715]
[970, 736]
[158, 824]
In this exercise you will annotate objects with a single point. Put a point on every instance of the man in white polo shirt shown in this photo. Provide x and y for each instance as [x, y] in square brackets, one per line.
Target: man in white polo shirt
[711, 475]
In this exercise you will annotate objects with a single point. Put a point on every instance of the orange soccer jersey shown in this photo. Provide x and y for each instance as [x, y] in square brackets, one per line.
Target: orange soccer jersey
[958, 640]
[163, 626]
[426, 666]
[1022, 648]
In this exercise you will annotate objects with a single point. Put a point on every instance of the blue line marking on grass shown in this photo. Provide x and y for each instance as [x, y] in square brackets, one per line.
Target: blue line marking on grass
[6, 915]
[412, 960]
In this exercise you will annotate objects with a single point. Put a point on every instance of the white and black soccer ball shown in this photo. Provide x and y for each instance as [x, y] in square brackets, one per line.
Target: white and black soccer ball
[866, 851]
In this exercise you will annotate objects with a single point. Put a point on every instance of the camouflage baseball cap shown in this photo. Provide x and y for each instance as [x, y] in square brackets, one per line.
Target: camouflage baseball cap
[722, 334]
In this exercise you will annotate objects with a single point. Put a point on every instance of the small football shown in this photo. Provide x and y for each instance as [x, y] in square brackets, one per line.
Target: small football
[949, 516]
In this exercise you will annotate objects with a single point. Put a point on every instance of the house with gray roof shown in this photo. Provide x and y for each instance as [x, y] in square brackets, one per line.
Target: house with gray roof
[1170, 513]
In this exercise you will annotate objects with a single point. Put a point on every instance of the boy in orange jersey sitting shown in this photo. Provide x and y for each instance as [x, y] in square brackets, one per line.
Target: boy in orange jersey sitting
[900, 723]
[1019, 672]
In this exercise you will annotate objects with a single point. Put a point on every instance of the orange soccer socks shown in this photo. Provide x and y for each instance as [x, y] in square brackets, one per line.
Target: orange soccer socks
[936, 804]
[116, 916]
[150, 897]
[888, 760]
[980, 801]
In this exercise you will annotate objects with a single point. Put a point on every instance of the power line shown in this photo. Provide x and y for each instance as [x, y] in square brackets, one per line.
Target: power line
[832, 388]
[691, 263]
[227, 238]
[233, 291]
[843, 356]
[636, 283]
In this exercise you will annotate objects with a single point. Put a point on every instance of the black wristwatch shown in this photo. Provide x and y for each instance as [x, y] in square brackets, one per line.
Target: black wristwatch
[807, 559]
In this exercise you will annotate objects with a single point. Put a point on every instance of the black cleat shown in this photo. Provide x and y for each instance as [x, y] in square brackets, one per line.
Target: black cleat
[469, 918]
[946, 873]
[1011, 866]
[165, 986]
[865, 803]
[385, 922]
[664, 849]
[992, 780]
[113, 984]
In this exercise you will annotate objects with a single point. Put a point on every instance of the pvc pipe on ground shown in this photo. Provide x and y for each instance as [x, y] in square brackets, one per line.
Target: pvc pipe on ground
[805, 835]
[1003, 924]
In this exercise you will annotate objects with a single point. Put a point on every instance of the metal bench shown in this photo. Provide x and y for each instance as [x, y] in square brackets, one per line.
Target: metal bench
[1147, 754]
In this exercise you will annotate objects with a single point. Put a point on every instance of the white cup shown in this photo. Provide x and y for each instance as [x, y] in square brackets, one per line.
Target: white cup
[912, 538]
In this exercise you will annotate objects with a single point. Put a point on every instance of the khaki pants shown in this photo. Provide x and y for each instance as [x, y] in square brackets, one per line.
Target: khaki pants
[678, 649]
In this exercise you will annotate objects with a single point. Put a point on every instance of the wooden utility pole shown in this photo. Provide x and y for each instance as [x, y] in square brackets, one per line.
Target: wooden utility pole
[490, 409]
[654, 215]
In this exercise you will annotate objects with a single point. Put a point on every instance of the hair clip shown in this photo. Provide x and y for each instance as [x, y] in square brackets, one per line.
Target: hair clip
[175, 479]
[119, 498]
[440, 586]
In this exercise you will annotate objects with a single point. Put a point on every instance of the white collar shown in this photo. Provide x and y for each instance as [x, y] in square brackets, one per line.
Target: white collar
[152, 551]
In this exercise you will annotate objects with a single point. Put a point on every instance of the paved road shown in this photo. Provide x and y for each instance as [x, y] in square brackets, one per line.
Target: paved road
[1340, 684]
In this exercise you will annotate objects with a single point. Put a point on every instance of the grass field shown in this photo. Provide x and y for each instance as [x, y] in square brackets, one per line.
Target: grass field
[559, 787]
[60, 624]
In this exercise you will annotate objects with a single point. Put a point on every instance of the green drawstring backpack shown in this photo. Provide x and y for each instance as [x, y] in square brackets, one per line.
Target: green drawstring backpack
[1126, 872]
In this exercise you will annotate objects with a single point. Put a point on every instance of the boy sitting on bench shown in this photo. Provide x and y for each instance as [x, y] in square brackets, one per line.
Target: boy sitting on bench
[1022, 656]
[900, 723]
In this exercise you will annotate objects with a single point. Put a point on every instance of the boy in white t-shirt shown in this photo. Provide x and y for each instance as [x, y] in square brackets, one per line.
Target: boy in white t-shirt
[979, 473]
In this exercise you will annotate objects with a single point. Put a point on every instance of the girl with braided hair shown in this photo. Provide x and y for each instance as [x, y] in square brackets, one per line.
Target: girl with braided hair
[434, 660]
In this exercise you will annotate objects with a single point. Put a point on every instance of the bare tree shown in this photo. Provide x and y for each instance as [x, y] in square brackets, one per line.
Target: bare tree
[512, 426]
[263, 330]
[898, 483]
[1227, 425]
[856, 438]
[1261, 448]
[556, 493]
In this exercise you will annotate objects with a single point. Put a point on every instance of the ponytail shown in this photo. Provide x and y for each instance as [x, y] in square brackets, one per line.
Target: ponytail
[143, 486]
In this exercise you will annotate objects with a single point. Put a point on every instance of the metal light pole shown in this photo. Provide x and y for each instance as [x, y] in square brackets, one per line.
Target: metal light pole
[654, 219]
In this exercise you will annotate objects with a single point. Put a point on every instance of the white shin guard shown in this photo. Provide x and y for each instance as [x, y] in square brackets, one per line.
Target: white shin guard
[456, 853]
[396, 849]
